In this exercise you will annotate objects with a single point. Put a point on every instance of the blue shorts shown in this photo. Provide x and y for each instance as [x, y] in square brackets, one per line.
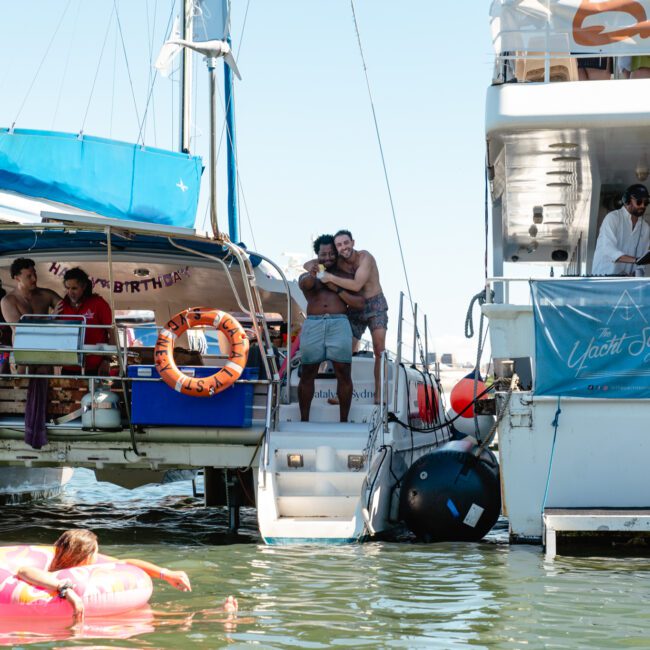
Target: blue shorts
[326, 338]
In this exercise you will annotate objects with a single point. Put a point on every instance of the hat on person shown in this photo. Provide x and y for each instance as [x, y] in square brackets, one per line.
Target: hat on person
[637, 191]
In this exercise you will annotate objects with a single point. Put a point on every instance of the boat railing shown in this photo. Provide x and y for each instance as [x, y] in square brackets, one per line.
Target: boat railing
[549, 65]
[48, 369]
[500, 289]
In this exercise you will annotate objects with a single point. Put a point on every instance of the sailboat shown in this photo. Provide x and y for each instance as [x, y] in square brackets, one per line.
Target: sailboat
[126, 213]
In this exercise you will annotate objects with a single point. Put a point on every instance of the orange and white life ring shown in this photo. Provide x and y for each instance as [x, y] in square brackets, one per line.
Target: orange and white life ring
[201, 386]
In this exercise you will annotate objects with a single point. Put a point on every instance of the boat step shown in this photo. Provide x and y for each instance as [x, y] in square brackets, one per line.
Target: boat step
[312, 530]
[328, 414]
[317, 506]
[629, 520]
[300, 483]
[331, 428]
[321, 459]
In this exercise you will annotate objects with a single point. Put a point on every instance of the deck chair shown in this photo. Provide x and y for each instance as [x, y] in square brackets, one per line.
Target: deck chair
[562, 68]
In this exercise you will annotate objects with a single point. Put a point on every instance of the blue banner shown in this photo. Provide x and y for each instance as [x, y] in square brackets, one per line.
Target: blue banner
[112, 178]
[592, 338]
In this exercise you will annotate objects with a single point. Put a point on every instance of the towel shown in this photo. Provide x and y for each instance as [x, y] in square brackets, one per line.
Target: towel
[36, 413]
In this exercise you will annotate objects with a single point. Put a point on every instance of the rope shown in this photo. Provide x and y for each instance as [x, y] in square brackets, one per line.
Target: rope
[481, 298]
[126, 60]
[99, 63]
[504, 409]
[142, 130]
[40, 65]
[383, 159]
[555, 424]
[65, 66]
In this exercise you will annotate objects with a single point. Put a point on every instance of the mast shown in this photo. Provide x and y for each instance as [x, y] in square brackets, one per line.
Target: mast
[186, 78]
[233, 211]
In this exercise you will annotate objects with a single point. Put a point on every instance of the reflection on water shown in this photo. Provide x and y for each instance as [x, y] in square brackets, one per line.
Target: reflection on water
[400, 595]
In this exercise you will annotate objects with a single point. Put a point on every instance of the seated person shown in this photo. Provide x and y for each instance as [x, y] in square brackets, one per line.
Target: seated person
[81, 301]
[594, 68]
[640, 67]
[26, 298]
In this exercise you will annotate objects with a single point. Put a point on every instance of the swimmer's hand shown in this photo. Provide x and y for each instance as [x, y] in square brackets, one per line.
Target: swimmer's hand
[176, 579]
[77, 605]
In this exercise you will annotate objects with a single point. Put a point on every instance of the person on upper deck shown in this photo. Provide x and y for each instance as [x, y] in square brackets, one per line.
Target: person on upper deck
[624, 235]
[81, 301]
[27, 297]
[326, 333]
[374, 314]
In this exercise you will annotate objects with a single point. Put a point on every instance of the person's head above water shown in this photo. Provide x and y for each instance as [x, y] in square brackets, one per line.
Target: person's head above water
[76, 547]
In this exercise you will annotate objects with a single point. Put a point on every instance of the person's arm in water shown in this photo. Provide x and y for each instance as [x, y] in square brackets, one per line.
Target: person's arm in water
[176, 579]
[49, 581]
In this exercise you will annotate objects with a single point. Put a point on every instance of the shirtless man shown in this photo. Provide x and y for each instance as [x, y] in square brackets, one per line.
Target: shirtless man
[27, 298]
[326, 333]
[374, 314]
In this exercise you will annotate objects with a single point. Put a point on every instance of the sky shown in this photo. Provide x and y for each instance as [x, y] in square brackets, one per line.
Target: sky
[308, 155]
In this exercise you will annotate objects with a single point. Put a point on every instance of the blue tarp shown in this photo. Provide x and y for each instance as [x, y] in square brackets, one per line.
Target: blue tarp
[111, 178]
[23, 242]
[592, 338]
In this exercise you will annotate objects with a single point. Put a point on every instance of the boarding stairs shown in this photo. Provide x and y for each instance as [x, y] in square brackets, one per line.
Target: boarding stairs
[592, 520]
[312, 484]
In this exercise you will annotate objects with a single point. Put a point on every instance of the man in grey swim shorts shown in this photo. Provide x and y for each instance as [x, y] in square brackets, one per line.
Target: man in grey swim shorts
[326, 333]
[374, 315]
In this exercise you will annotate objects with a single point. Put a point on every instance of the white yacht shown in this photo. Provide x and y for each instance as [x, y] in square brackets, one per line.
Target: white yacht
[567, 130]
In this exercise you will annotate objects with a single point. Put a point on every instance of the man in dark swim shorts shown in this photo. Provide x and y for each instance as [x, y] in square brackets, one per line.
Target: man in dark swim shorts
[373, 316]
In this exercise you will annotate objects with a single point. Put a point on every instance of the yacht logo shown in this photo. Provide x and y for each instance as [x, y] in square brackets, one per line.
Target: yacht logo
[594, 35]
[626, 309]
[183, 188]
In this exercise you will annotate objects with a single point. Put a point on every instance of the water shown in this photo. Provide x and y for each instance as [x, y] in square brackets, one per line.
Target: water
[397, 595]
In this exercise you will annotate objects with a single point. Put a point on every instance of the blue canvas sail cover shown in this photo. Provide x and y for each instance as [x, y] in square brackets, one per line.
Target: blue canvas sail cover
[112, 178]
[592, 338]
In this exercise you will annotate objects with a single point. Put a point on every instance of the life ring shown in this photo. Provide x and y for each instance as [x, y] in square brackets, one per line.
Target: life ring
[106, 587]
[204, 386]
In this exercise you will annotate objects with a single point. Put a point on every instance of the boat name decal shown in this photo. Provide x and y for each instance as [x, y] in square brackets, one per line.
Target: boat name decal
[596, 35]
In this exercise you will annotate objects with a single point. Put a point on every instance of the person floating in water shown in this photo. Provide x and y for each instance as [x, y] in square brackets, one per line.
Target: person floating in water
[79, 547]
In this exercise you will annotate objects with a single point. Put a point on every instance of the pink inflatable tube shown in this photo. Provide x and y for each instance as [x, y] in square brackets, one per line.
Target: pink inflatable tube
[106, 587]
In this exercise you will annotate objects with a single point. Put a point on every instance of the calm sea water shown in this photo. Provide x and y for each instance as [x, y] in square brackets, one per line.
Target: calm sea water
[376, 595]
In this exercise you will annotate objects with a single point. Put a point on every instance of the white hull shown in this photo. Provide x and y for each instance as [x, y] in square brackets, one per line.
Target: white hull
[20, 484]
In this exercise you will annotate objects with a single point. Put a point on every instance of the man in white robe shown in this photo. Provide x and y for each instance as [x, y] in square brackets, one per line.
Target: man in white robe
[624, 235]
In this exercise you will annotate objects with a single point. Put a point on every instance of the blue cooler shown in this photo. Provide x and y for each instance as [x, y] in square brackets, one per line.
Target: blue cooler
[155, 403]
